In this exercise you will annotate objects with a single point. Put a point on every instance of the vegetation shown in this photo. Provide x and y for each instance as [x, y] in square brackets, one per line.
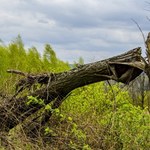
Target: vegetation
[105, 115]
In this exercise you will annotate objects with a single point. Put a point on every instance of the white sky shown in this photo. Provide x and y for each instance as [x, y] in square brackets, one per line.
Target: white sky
[92, 29]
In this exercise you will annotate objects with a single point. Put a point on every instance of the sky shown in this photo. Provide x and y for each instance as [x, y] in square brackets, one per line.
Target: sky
[91, 29]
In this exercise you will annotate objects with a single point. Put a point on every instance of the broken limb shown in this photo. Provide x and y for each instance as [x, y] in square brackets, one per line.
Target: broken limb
[118, 68]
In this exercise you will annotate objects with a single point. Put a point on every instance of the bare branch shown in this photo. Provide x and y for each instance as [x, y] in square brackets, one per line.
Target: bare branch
[17, 72]
[140, 30]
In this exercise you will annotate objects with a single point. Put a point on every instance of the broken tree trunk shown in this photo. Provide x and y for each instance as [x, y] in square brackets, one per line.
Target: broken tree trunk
[122, 68]
[147, 63]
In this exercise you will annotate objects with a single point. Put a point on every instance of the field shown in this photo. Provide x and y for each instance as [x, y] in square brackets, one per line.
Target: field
[101, 116]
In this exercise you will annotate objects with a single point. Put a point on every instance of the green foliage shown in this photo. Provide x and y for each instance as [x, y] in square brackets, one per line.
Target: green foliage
[77, 140]
[49, 55]
[78, 133]
[35, 100]
[49, 131]
[34, 61]
[125, 126]
[51, 62]
[4, 62]
[81, 61]
[48, 107]
[17, 54]
[128, 127]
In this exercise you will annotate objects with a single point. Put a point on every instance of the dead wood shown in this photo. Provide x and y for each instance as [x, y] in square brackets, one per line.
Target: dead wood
[122, 68]
[147, 63]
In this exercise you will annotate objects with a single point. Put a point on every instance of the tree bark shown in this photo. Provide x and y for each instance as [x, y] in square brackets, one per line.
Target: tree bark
[56, 86]
[147, 63]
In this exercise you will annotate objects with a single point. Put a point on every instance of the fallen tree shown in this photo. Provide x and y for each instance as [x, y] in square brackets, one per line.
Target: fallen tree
[55, 87]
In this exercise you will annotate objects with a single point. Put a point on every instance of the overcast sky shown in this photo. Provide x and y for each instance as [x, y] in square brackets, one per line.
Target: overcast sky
[92, 29]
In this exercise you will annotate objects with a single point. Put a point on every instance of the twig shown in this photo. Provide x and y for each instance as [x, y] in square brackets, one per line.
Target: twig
[17, 72]
[140, 30]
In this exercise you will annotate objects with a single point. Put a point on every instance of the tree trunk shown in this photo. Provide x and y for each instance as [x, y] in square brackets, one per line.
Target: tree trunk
[147, 63]
[56, 86]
